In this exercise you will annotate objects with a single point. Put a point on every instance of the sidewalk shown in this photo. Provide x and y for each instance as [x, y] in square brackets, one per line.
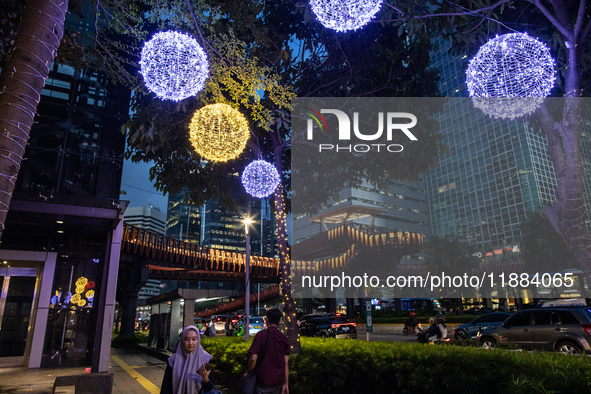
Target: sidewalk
[135, 372]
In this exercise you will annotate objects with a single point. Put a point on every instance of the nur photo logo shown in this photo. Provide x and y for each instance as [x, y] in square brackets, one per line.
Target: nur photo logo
[390, 122]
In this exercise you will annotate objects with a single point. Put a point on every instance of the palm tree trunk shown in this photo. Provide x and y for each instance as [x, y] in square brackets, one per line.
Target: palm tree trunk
[21, 81]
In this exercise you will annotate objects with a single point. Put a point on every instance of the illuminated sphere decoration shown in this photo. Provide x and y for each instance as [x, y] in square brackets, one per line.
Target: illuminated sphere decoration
[218, 132]
[174, 66]
[510, 76]
[260, 179]
[344, 15]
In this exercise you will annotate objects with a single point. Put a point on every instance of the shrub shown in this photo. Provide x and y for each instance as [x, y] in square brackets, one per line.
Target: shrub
[380, 367]
[128, 340]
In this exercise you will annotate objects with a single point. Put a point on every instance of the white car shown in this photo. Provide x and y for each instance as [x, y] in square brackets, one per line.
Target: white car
[257, 323]
[220, 323]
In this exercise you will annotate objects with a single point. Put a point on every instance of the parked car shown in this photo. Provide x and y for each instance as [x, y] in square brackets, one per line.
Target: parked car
[220, 323]
[478, 311]
[317, 327]
[309, 316]
[257, 323]
[567, 330]
[343, 328]
[470, 330]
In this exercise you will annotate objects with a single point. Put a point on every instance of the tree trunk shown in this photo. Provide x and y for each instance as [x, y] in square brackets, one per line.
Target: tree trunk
[22, 79]
[289, 307]
[568, 213]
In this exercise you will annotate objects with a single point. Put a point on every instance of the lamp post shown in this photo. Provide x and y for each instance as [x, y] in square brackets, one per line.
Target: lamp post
[247, 222]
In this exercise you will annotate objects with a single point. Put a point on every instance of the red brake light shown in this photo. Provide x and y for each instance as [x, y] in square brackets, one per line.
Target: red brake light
[334, 325]
[587, 328]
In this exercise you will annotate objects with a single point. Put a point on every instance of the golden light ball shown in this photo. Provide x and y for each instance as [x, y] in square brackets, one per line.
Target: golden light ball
[218, 132]
[81, 302]
[75, 299]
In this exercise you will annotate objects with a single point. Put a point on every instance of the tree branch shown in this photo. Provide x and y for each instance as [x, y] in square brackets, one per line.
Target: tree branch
[553, 20]
[555, 150]
[462, 13]
[579, 22]
[205, 43]
[583, 36]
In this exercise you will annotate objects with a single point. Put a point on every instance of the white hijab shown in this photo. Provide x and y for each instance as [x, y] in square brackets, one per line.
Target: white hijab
[185, 378]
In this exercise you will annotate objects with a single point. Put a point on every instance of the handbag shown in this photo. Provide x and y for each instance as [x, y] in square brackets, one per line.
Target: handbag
[248, 382]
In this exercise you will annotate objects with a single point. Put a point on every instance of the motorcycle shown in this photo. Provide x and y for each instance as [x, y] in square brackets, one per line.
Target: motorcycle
[414, 330]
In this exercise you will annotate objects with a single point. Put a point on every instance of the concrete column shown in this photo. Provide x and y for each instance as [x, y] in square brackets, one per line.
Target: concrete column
[331, 305]
[175, 323]
[106, 302]
[131, 280]
[45, 294]
[189, 312]
[350, 308]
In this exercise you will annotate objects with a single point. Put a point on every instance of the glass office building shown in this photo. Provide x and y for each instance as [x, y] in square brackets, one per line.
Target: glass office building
[222, 228]
[496, 170]
[60, 249]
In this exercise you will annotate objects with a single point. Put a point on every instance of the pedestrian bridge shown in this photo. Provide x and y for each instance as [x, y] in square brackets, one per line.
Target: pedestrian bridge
[325, 253]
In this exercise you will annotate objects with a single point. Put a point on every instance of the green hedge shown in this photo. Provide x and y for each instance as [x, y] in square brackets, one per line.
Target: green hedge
[334, 366]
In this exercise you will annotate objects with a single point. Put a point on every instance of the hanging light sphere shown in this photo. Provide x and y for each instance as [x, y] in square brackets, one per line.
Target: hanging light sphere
[510, 75]
[260, 179]
[218, 132]
[343, 15]
[174, 66]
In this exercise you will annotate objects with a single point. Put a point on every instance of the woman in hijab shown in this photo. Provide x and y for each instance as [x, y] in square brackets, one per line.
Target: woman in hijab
[186, 372]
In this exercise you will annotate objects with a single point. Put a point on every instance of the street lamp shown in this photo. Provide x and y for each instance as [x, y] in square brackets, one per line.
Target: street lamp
[247, 222]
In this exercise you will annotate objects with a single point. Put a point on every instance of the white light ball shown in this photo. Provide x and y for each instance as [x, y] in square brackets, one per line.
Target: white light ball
[174, 66]
[510, 75]
[343, 15]
[260, 179]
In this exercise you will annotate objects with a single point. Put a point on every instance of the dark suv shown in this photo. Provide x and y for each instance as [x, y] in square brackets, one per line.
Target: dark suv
[329, 327]
[567, 330]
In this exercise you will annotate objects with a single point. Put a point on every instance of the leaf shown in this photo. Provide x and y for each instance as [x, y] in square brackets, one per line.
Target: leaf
[401, 30]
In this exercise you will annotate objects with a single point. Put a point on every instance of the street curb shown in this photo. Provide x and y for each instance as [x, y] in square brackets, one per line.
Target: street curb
[152, 352]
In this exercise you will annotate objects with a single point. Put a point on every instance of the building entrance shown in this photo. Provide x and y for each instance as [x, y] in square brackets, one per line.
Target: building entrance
[17, 299]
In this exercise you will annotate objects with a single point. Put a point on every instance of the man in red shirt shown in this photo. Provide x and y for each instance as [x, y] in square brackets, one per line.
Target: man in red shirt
[273, 370]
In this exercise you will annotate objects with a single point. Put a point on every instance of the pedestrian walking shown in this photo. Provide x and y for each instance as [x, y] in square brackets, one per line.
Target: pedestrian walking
[212, 331]
[187, 370]
[269, 356]
[229, 327]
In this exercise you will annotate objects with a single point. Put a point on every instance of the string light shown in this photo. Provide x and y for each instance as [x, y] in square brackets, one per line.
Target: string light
[260, 179]
[510, 75]
[218, 132]
[343, 15]
[174, 66]
[30, 68]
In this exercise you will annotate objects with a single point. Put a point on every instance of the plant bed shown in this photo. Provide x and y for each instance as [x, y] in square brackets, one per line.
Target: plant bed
[380, 367]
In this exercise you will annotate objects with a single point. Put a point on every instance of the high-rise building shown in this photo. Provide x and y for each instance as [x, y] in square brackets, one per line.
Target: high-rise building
[151, 219]
[403, 206]
[60, 247]
[218, 227]
[496, 170]
[148, 217]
